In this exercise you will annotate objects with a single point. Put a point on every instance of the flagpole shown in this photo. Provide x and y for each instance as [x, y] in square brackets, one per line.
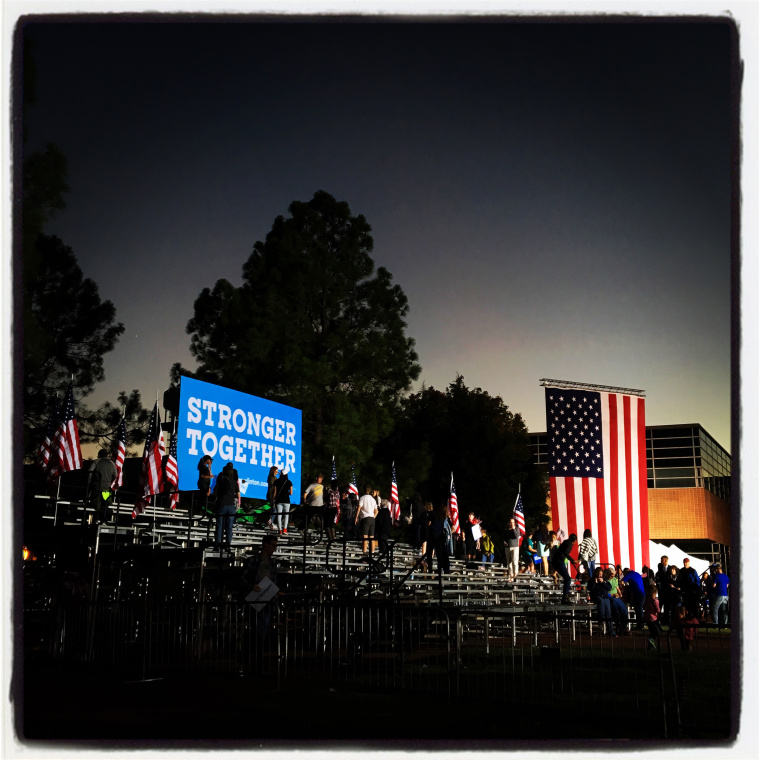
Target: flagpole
[56, 499]
[153, 496]
[117, 494]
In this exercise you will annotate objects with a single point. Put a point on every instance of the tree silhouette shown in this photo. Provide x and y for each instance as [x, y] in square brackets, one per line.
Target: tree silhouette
[474, 435]
[67, 331]
[315, 326]
[67, 328]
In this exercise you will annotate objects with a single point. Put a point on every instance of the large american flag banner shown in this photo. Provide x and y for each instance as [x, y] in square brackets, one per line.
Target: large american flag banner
[43, 453]
[172, 472]
[395, 505]
[454, 507]
[596, 447]
[519, 515]
[121, 453]
[352, 487]
[151, 477]
[65, 452]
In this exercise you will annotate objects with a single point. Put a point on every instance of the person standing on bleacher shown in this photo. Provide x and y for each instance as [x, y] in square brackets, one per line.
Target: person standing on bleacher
[559, 563]
[226, 506]
[365, 520]
[486, 546]
[313, 499]
[283, 492]
[331, 510]
[587, 553]
[100, 479]
[438, 539]
[512, 548]
[383, 525]
[348, 506]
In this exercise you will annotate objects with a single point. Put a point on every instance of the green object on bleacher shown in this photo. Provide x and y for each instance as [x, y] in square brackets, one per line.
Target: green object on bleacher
[249, 515]
[245, 515]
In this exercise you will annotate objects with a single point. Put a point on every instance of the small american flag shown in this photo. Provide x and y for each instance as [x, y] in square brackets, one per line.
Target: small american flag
[65, 452]
[454, 507]
[121, 452]
[395, 505]
[43, 453]
[172, 472]
[519, 515]
[352, 487]
[151, 481]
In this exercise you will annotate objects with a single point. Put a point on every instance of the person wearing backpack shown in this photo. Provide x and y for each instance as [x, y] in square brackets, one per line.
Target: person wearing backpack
[226, 506]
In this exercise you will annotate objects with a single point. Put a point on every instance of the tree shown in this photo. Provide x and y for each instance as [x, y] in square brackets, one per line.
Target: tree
[315, 326]
[67, 328]
[102, 424]
[67, 331]
[474, 435]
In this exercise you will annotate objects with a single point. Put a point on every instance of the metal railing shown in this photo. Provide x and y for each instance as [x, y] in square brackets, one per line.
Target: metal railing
[554, 660]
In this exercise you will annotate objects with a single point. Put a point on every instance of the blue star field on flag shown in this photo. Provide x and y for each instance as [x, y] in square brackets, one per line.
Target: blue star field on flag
[574, 435]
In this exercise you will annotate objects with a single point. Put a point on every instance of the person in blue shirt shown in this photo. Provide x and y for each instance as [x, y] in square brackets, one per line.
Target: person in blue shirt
[635, 585]
[720, 597]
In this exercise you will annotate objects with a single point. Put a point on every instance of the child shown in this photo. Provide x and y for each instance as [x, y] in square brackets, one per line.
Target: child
[652, 616]
[486, 547]
[686, 626]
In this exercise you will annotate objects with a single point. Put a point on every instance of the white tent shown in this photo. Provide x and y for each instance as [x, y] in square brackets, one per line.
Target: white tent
[675, 557]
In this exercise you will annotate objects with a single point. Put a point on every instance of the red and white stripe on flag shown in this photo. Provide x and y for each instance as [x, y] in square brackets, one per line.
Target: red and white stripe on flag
[172, 476]
[151, 477]
[121, 453]
[65, 452]
[596, 445]
[454, 508]
[395, 505]
[519, 515]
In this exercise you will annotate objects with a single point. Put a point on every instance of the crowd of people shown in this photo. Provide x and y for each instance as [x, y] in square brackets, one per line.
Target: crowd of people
[668, 596]
[672, 596]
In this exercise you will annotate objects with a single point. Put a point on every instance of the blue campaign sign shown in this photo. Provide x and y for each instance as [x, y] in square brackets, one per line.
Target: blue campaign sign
[251, 432]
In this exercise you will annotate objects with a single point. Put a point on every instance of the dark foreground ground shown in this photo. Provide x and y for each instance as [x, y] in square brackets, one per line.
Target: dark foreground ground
[58, 708]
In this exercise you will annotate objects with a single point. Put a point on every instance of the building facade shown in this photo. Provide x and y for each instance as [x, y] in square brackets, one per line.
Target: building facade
[688, 485]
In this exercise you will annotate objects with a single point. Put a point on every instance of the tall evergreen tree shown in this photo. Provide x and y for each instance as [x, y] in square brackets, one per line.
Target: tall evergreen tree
[314, 325]
[67, 331]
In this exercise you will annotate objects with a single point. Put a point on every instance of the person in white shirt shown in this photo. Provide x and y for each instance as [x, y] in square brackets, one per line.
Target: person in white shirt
[587, 553]
[366, 514]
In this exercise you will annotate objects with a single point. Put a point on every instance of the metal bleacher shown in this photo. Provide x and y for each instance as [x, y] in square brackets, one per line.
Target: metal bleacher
[335, 568]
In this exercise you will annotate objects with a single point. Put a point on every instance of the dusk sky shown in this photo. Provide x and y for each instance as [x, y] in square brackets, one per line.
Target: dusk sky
[554, 198]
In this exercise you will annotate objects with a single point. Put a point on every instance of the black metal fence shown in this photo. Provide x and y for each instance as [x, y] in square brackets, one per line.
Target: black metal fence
[556, 660]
